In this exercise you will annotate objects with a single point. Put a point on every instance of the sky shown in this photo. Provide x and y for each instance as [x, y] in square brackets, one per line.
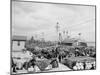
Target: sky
[40, 19]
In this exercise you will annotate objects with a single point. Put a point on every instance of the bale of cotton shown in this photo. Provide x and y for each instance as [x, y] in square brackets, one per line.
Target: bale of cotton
[49, 67]
[88, 65]
[19, 65]
[31, 69]
[78, 65]
[81, 65]
[94, 64]
[75, 68]
[36, 68]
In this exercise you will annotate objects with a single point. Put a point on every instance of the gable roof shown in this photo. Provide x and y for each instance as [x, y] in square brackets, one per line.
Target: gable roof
[19, 38]
[69, 40]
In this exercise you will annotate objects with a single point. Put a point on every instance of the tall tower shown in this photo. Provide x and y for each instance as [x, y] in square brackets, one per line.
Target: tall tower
[60, 37]
[57, 30]
[57, 27]
[79, 34]
[79, 37]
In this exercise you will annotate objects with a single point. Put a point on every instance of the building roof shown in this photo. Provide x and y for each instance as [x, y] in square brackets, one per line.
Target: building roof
[69, 40]
[19, 38]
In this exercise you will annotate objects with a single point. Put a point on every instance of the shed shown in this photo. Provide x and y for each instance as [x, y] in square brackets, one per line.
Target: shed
[18, 42]
[68, 42]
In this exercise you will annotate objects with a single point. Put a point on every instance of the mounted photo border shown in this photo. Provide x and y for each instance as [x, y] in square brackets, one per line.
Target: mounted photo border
[49, 3]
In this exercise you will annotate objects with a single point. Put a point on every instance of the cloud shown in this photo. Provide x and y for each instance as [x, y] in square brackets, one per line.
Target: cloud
[30, 17]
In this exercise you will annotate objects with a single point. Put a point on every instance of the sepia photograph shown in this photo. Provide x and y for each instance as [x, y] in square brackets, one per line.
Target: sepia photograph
[52, 37]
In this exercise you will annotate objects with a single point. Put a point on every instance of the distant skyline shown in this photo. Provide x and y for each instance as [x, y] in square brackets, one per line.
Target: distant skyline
[39, 19]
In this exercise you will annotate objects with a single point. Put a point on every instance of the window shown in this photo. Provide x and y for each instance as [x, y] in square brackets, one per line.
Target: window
[18, 43]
